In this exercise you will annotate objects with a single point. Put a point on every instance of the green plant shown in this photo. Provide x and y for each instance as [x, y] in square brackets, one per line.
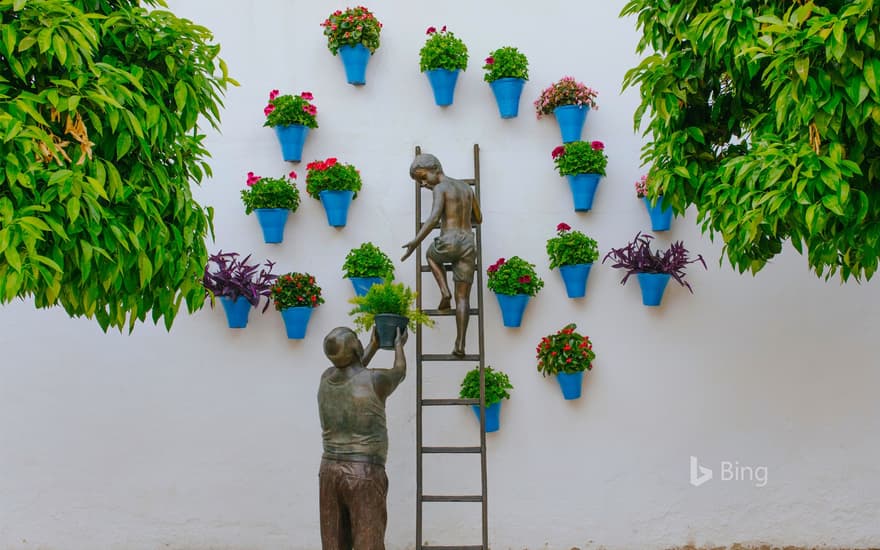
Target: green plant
[270, 193]
[506, 62]
[497, 383]
[388, 297]
[765, 117]
[571, 247]
[580, 157]
[566, 351]
[566, 91]
[296, 290]
[285, 110]
[331, 175]
[513, 276]
[100, 104]
[352, 27]
[367, 260]
[442, 50]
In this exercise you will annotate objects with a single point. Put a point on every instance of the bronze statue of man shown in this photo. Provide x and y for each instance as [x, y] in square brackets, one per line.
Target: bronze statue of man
[456, 208]
[351, 402]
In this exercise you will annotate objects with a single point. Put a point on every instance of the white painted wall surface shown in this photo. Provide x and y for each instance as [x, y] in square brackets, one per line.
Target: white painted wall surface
[206, 437]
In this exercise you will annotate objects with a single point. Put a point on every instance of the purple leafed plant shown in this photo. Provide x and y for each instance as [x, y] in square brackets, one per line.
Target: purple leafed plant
[226, 275]
[637, 257]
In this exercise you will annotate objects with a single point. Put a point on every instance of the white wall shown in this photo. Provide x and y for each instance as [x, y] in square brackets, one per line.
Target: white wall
[206, 437]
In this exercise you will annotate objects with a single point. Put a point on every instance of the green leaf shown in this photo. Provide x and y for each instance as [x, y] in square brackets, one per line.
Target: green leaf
[872, 74]
[123, 144]
[180, 94]
[13, 258]
[802, 68]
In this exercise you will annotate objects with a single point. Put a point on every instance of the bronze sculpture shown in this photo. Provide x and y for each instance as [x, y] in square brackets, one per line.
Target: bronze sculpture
[456, 208]
[351, 402]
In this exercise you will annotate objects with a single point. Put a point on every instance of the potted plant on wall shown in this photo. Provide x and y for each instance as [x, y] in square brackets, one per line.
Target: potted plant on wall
[441, 59]
[567, 354]
[388, 306]
[335, 184]
[291, 116]
[239, 285]
[272, 199]
[513, 281]
[658, 210]
[365, 266]
[583, 164]
[507, 70]
[573, 253]
[653, 268]
[570, 101]
[354, 35]
[295, 296]
[497, 383]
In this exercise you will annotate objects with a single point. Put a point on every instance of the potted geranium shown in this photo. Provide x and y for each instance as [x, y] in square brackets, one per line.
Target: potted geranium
[239, 285]
[659, 211]
[295, 296]
[272, 199]
[366, 266]
[567, 354]
[335, 184]
[569, 100]
[583, 164]
[507, 70]
[354, 35]
[441, 59]
[513, 281]
[573, 253]
[496, 383]
[653, 268]
[291, 116]
[388, 306]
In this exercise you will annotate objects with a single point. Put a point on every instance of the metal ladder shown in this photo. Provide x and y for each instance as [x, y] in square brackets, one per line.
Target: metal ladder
[422, 358]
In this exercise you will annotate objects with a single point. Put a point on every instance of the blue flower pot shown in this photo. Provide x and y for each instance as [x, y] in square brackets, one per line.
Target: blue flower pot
[272, 221]
[652, 285]
[362, 284]
[570, 384]
[575, 279]
[296, 320]
[661, 214]
[507, 93]
[237, 311]
[512, 308]
[354, 59]
[583, 189]
[571, 119]
[493, 416]
[292, 139]
[336, 205]
[443, 84]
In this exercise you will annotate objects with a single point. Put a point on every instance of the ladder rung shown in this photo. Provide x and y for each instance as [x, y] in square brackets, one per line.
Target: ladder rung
[449, 357]
[452, 498]
[432, 547]
[434, 402]
[447, 312]
[451, 450]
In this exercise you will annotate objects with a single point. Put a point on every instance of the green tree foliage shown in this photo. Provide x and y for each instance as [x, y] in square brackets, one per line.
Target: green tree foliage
[99, 103]
[765, 115]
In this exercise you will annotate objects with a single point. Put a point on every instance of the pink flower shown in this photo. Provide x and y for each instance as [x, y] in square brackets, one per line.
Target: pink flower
[310, 109]
[563, 227]
[307, 95]
[431, 30]
[558, 151]
[598, 145]
[443, 29]
[490, 60]
[525, 279]
[273, 94]
[267, 110]
[292, 175]
[252, 179]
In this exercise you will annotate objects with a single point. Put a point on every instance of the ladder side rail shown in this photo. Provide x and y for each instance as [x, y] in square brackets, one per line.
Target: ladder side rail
[418, 262]
[482, 352]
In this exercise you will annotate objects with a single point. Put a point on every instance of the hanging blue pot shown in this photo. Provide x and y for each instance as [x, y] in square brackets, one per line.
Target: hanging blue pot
[575, 279]
[570, 384]
[652, 285]
[354, 59]
[336, 205]
[512, 308]
[443, 83]
[292, 139]
[583, 188]
[296, 320]
[236, 311]
[661, 214]
[507, 93]
[493, 416]
[571, 119]
[272, 221]
[362, 284]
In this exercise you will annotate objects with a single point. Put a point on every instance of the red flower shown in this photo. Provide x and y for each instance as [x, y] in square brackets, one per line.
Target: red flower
[558, 152]
[431, 30]
[566, 347]
[330, 162]
[292, 174]
[492, 268]
[252, 179]
[525, 279]
[563, 227]
[500, 262]
[307, 95]
[568, 360]
[490, 60]
[268, 109]
[443, 29]
[273, 94]
[598, 145]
